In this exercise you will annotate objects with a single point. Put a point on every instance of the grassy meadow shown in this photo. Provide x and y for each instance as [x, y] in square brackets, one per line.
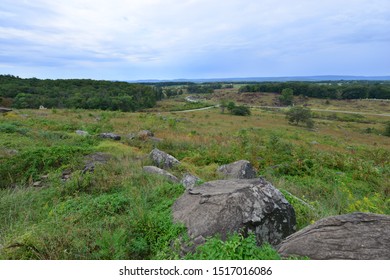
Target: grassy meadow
[118, 212]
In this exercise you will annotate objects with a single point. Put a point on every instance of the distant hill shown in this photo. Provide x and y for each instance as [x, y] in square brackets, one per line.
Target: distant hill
[275, 79]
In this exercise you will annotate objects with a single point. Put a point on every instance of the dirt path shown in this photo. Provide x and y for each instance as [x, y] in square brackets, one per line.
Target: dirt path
[325, 110]
[274, 107]
[200, 109]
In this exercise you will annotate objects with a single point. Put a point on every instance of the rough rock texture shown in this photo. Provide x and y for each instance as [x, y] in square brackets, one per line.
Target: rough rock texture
[162, 159]
[241, 169]
[110, 135]
[189, 181]
[94, 159]
[358, 236]
[159, 171]
[240, 205]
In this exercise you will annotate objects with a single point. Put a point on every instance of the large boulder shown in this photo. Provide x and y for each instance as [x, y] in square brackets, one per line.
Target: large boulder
[241, 169]
[162, 159]
[240, 205]
[189, 181]
[159, 171]
[356, 236]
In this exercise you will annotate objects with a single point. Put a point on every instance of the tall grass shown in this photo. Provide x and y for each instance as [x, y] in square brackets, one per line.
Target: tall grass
[117, 212]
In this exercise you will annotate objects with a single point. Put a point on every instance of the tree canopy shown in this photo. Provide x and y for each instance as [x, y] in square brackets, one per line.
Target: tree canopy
[77, 93]
[332, 90]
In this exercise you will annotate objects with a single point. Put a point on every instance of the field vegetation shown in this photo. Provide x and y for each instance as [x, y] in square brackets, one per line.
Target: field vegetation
[338, 165]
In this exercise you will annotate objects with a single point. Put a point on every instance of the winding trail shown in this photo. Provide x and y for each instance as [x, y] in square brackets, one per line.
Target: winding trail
[326, 110]
[275, 107]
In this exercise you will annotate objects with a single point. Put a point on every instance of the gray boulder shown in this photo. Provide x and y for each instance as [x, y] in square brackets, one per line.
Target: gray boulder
[162, 159]
[109, 135]
[82, 133]
[241, 169]
[356, 236]
[189, 181]
[240, 205]
[92, 160]
[159, 171]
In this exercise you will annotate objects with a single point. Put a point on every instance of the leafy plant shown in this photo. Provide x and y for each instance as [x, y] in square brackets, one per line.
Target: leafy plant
[236, 247]
[299, 114]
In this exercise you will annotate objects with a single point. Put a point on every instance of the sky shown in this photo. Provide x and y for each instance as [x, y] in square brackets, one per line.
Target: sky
[173, 39]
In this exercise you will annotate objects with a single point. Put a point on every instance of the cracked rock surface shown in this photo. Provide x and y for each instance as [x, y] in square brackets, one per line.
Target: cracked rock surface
[356, 236]
[237, 205]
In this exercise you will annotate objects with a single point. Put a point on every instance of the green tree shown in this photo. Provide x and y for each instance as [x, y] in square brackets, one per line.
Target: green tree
[223, 104]
[387, 129]
[299, 114]
[287, 96]
[231, 105]
[241, 111]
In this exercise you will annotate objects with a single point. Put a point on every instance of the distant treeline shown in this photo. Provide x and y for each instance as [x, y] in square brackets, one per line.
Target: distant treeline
[332, 90]
[76, 93]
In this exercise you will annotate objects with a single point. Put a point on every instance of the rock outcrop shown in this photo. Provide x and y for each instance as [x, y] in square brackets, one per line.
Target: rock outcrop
[240, 205]
[241, 169]
[357, 236]
[110, 135]
[159, 171]
[162, 159]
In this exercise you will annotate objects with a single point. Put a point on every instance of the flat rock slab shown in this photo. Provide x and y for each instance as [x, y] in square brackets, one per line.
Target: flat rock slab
[162, 159]
[226, 206]
[356, 236]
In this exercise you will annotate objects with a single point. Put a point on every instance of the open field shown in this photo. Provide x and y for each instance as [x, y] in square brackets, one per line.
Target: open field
[118, 212]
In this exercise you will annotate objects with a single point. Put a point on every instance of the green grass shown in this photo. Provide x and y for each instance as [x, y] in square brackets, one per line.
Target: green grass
[118, 212]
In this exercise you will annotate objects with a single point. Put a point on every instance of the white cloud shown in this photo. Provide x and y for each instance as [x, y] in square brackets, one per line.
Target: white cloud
[177, 34]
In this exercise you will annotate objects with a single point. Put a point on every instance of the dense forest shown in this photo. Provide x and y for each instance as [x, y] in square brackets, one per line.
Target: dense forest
[76, 93]
[114, 95]
[331, 90]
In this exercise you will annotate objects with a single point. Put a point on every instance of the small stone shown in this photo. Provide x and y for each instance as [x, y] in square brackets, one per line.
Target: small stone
[109, 135]
[37, 184]
[82, 133]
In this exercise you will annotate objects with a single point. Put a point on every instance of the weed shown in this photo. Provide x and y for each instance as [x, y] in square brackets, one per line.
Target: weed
[236, 247]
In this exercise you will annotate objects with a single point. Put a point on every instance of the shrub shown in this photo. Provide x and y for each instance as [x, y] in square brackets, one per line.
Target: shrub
[287, 96]
[36, 161]
[299, 114]
[241, 111]
[387, 129]
[236, 247]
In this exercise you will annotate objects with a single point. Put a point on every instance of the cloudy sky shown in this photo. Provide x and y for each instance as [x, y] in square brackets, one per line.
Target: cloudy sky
[168, 39]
